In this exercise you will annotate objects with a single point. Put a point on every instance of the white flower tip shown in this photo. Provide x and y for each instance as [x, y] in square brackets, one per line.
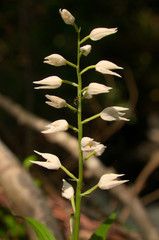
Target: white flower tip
[109, 180]
[99, 33]
[67, 17]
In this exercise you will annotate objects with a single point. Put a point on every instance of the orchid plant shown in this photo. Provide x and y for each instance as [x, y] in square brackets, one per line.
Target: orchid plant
[86, 144]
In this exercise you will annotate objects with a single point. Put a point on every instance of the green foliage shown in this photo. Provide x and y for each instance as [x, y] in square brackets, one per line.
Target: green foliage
[27, 164]
[10, 228]
[101, 232]
[41, 231]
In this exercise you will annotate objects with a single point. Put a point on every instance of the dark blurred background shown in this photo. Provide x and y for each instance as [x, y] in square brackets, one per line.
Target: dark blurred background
[33, 29]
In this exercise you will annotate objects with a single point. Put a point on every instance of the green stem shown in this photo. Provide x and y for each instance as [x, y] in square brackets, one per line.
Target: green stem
[91, 118]
[84, 89]
[70, 83]
[73, 128]
[89, 155]
[71, 107]
[71, 64]
[89, 191]
[73, 203]
[87, 68]
[68, 173]
[80, 133]
[84, 39]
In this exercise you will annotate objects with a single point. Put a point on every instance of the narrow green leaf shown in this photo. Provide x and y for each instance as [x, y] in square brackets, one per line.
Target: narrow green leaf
[41, 231]
[101, 232]
[71, 224]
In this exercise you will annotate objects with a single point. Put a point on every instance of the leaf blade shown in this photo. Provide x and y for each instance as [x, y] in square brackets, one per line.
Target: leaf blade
[40, 229]
[101, 232]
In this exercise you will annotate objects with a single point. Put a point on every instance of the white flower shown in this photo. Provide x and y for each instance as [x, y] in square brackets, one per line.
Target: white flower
[67, 16]
[55, 101]
[114, 113]
[105, 67]
[98, 33]
[88, 145]
[96, 88]
[86, 49]
[52, 162]
[67, 190]
[59, 125]
[108, 181]
[55, 60]
[51, 82]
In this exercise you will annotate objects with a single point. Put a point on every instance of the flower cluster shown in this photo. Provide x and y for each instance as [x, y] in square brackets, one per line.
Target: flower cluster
[113, 113]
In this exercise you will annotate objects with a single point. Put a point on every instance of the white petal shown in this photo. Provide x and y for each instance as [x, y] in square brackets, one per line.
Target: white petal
[59, 125]
[55, 101]
[99, 149]
[67, 190]
[113, 113]
[88, 145]
[96, 88]
[86, 141]
[51, 82]
[108, 181]
[108, 65]
[105, 67]
[52, 162]
[98, 33]
[67, 16]
[112, 184]
[110, 176]
[47, 165]
[55, 60]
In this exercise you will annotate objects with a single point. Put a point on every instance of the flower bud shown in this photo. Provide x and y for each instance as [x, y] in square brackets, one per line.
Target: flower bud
[52, 162]
[55, 101]
[67, 16]
[114, 113]
[86, 49]
[57, 126]
[98, 33]
[51, 82]
[105, 67]
[55, 60]
[67, 190]
[108, 181]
